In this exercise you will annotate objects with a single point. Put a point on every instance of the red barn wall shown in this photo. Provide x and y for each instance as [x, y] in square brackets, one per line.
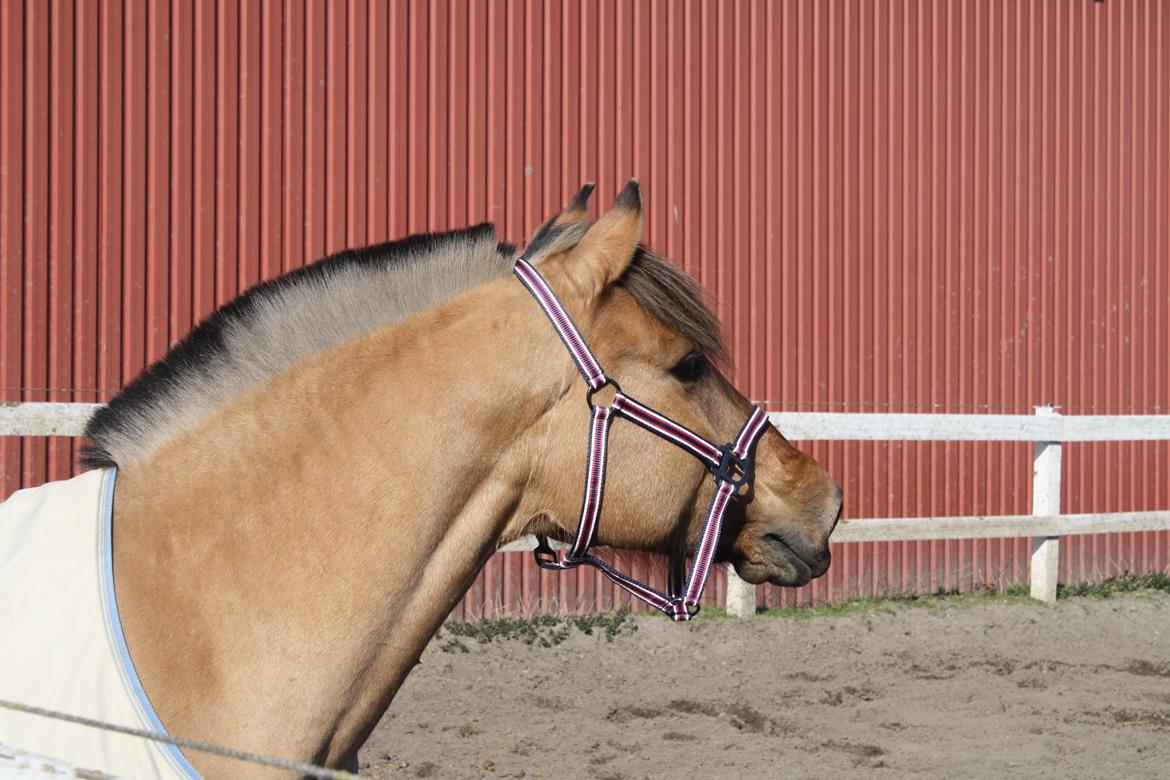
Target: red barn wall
[898, 206]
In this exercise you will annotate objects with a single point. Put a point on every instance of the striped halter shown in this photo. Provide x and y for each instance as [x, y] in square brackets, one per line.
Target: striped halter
[731, 465]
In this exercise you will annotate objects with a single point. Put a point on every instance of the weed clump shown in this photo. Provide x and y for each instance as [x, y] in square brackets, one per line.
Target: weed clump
[1125, 583]
[539, 630]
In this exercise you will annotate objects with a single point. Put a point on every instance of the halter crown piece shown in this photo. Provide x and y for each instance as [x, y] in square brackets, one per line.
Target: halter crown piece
[730, 464]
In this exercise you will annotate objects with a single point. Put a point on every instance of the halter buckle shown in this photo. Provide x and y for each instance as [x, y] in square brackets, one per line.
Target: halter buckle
[732, 469]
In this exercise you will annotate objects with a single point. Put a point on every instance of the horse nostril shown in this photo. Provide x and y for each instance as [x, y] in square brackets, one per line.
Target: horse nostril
[822, 566]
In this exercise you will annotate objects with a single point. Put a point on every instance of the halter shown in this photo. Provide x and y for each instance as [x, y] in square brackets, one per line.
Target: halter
[731, 465]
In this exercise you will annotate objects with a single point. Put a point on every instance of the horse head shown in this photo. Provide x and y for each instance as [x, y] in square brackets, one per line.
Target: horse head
[652, 332]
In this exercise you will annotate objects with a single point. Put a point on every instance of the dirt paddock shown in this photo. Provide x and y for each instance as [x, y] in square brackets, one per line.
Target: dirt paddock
[974, 688]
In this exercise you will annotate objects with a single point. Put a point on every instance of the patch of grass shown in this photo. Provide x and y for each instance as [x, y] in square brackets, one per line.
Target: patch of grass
[539, 630]
[891, 604]
[1125, 583]
[453, 645]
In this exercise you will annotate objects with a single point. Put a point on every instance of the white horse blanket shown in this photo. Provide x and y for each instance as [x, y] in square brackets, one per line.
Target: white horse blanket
[61, 643]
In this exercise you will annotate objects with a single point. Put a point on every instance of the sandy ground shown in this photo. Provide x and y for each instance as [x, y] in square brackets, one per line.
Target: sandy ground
[972, 689]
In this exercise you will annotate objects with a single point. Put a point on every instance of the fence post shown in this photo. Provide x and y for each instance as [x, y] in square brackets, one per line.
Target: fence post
[1045, 501]
[741, 595]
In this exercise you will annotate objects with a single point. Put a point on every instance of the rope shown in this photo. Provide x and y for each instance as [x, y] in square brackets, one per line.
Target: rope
[310, 770]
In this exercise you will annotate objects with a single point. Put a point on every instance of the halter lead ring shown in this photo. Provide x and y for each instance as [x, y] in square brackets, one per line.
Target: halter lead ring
[730, 464]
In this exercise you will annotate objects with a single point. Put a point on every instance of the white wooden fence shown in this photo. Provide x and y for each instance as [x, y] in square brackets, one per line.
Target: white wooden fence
[1046, 429]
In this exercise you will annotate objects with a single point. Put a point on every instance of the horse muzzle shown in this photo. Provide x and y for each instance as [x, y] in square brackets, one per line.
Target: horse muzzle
[785, 553]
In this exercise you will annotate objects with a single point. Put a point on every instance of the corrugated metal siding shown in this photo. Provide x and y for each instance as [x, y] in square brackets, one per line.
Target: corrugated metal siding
[900, 206]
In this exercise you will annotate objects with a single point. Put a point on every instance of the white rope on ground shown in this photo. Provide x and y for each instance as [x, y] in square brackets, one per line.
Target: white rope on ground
[16, 764]
[311, 770]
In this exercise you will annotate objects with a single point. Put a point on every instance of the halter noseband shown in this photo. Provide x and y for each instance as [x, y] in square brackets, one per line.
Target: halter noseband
[730, 464]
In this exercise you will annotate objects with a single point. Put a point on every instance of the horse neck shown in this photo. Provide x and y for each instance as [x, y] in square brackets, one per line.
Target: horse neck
[280, 569]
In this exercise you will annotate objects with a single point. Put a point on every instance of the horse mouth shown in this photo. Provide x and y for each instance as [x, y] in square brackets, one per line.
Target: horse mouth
[782, 561]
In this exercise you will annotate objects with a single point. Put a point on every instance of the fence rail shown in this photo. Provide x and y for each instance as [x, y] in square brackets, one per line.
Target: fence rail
[1046, 429]
[1045, 426]
[45, 419]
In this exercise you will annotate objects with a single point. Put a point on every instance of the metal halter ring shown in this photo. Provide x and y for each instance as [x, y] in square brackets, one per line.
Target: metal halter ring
[593, 390]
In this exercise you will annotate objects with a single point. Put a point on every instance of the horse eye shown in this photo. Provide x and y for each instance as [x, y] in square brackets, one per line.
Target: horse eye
[690, 368]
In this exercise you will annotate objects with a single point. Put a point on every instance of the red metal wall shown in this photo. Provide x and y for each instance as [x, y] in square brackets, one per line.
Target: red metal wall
[899, 206]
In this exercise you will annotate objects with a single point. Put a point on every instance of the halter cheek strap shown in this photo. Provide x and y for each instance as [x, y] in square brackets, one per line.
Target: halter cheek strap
[731, 465]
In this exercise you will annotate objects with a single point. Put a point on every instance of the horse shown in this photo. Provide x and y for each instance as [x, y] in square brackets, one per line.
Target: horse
[308, 483]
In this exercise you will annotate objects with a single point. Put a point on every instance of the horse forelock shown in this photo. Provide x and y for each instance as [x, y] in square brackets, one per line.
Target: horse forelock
[667, 292]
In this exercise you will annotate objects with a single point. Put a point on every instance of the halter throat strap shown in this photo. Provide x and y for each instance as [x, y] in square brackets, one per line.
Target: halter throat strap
[730, 464]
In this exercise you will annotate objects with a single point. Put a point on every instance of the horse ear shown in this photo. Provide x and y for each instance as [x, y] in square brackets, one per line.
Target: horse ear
[578, 208]
[562, 232]
[606, 249]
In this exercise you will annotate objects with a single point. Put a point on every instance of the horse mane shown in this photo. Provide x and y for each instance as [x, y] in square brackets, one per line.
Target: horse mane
[279, 323]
